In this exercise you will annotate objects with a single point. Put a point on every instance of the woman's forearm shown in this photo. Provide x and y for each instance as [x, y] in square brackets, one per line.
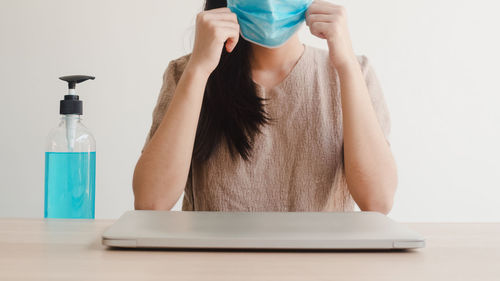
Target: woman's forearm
[369, 164]
[162, 170]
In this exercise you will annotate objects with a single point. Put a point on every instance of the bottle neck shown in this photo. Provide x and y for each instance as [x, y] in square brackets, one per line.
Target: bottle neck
[71, 117]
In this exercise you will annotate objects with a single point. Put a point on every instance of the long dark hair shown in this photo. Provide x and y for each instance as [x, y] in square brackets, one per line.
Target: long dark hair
[231, 109]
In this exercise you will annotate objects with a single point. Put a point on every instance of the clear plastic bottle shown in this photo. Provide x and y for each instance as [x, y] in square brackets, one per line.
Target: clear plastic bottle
[70, 162]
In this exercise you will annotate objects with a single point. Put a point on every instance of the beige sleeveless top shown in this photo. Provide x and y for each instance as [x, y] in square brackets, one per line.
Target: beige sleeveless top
[297, 161]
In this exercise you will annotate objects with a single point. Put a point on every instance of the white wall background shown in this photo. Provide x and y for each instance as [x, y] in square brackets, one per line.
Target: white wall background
[438, 62]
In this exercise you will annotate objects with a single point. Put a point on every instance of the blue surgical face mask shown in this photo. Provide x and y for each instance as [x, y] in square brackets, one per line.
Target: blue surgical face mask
[269, 23]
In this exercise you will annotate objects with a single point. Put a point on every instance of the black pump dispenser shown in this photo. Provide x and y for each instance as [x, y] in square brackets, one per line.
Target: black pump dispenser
[72, 103]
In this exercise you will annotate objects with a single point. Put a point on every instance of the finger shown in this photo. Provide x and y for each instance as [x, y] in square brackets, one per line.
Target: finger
[229, 36]
[219, 10]
[228, 24]
[222, 16]
[318, 18]
[320, 29]
[231, 43]
[322, 7]
[318, 7]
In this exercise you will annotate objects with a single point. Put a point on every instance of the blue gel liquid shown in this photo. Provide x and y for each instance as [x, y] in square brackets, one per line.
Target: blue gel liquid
[69, 185]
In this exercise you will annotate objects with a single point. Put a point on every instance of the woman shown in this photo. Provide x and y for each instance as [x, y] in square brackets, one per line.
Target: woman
[240, 126]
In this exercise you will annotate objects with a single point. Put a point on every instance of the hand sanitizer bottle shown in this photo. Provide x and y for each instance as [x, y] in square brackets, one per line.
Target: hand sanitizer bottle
[70, 161]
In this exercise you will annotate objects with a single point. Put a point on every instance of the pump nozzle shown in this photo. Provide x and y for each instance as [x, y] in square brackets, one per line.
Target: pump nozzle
[75, 79]
[72, 105]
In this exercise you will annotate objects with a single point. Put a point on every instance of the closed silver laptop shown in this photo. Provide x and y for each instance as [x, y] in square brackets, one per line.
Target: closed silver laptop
[260, 230]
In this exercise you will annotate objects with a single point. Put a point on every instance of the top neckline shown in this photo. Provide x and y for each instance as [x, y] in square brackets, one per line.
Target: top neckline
[290, 74]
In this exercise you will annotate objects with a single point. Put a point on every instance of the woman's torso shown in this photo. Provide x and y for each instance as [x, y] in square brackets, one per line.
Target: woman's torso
[297, 161]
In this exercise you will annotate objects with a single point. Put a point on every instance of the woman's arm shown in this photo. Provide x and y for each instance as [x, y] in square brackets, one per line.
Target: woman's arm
[369, 164]
[162, 170]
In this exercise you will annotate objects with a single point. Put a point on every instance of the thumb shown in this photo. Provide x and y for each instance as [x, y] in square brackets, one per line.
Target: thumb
[231, 44]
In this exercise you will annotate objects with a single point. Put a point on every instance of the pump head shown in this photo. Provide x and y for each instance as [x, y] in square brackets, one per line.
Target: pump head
[72, 103]
[75, 79]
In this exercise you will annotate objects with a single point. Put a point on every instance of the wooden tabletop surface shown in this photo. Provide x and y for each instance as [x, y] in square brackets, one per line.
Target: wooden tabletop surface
[38, 249]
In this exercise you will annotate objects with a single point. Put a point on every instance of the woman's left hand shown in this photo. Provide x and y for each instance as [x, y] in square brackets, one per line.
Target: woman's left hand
[329, 21]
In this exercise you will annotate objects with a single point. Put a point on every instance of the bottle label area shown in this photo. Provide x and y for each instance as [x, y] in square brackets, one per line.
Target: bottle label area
[70, 185]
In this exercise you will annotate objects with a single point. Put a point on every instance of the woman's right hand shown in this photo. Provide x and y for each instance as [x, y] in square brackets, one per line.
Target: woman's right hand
[214, 29]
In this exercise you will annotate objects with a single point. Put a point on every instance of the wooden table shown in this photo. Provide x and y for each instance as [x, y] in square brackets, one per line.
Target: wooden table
[37, 249]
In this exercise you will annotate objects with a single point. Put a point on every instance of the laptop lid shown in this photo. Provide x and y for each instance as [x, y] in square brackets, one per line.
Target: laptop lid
[260, 230]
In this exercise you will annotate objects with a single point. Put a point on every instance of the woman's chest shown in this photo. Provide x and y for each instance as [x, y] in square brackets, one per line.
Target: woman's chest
[297, 153]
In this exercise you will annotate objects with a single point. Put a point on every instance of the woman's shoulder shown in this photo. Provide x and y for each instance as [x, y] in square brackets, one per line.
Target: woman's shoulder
[176, 66]
[181, 61]
[322, 56]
